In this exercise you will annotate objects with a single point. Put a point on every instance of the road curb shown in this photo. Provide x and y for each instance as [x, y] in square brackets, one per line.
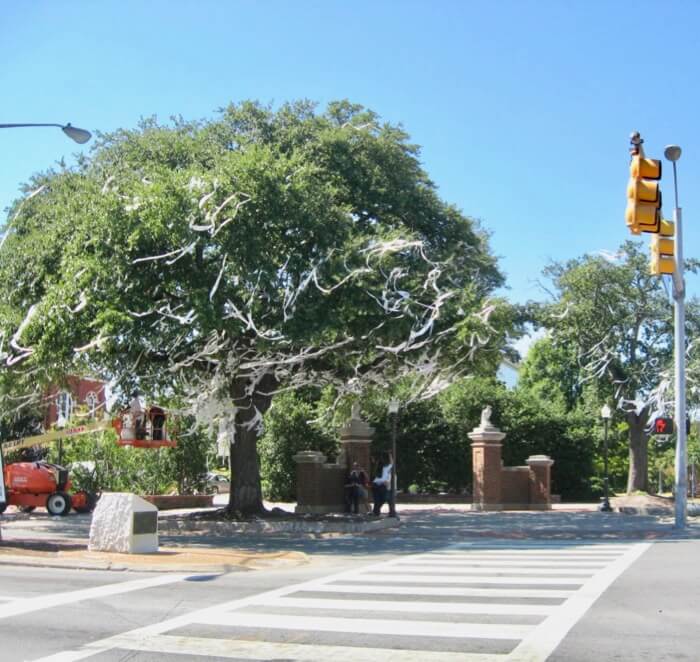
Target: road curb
[52, 563]
[203, 563]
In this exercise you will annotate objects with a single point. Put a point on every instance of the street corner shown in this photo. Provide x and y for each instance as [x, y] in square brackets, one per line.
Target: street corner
[166, 559]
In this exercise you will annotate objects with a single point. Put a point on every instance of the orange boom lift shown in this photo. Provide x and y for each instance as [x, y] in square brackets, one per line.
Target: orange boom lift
[29, 485]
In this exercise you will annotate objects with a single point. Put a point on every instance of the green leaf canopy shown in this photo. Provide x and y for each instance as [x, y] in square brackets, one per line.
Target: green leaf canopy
[232, 258]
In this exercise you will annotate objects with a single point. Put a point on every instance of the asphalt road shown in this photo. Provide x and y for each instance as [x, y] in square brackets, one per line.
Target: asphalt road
[45, 611]
[652, 612]
[485, 601]
[440, 589]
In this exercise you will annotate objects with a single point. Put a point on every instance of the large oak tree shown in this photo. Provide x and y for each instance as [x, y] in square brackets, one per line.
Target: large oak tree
[226, 260]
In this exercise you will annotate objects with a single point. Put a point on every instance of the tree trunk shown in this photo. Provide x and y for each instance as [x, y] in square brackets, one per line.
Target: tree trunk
[246, 491]
[638, 476]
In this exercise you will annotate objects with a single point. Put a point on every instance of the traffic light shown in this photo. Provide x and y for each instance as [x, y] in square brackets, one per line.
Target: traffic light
[663, 425]
[662, 250]
[643, 212]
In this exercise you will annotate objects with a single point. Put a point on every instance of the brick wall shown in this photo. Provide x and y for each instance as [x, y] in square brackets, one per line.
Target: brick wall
[515, 487]
[497, 487]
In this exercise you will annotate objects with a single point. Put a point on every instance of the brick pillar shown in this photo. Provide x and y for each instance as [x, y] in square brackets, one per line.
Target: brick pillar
[356, 441]
[540, 482]
[486, 466]
[320, 486]
[309, 483]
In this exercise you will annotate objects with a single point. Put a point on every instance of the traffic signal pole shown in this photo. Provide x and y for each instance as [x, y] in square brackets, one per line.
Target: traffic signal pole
[673, 153]
[643, 214]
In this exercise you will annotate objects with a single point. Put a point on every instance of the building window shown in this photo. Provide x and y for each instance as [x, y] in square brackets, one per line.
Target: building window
[91, 402]
[64, 405]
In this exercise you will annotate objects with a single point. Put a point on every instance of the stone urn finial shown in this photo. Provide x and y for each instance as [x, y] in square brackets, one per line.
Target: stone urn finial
[355, 427]
[486, 431]
[486, 418]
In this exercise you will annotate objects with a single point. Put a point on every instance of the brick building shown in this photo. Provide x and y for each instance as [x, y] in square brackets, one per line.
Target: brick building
[79, 395]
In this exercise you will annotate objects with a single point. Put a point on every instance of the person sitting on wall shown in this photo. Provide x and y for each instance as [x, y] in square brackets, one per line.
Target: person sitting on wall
[158, 425]
[381, 487]
[355, 488]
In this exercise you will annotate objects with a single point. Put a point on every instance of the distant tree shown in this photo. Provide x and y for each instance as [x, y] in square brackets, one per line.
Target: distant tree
[609, 324]
[551, 372]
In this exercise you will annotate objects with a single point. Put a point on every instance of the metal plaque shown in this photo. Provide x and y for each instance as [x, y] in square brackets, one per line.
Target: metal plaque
[146, 522]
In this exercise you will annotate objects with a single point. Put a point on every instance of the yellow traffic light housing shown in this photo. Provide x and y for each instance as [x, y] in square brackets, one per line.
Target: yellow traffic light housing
[644, 168]
[643, 212]
[663, 259]
[667, 228]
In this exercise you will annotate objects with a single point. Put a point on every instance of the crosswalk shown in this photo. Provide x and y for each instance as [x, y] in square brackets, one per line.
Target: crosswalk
[464, 603]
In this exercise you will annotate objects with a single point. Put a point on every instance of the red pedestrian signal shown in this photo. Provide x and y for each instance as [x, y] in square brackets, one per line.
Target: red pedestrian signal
[663, 426]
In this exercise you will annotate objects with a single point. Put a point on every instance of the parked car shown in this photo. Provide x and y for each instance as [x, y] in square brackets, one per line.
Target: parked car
[217, 484]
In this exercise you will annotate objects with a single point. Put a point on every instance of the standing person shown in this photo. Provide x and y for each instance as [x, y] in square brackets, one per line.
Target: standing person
[137, 414]
[355, 488]
[381, 486]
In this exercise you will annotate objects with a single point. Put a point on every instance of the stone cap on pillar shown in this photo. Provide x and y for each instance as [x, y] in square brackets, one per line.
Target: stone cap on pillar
[309, 457]
[356, 428]
[487, 432]
[540, 460]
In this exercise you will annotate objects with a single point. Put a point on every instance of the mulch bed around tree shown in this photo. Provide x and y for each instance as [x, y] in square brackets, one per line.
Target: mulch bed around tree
[276, 514]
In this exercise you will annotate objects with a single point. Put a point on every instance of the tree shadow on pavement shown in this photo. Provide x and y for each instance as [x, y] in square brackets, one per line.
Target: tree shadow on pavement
[424, 530]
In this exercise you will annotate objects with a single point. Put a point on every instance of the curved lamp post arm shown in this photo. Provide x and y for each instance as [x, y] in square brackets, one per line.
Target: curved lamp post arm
[73, 132]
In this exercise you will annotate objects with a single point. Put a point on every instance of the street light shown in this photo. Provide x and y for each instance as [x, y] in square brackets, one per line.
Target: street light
[605, 414]
[673, 153]
[394, 411]
[73, 132]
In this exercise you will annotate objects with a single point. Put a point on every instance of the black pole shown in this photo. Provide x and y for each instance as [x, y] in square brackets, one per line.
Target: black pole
[3, 492]
[392, 503]
[605, 506]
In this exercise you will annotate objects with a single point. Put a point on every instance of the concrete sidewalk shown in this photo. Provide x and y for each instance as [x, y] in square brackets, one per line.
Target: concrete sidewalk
[215, 546]
[38, 539]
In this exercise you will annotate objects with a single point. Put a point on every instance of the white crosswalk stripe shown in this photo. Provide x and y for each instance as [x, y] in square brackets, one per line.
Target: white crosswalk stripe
[419, 607]
[465, 603]
[477, 569]
[444, 591]
[363, 626]
[261, 650]
[17, 606]
[476, 561]
[455, 578]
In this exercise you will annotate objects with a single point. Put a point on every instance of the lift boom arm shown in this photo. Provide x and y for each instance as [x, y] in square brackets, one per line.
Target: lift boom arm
[54, 435]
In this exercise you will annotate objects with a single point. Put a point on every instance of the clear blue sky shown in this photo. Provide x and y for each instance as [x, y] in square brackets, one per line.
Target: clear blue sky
[523, 108]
